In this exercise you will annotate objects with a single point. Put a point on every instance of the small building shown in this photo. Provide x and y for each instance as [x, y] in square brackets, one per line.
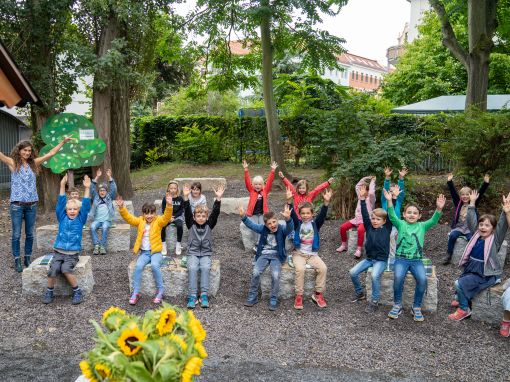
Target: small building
[12, 130]
[452, 104]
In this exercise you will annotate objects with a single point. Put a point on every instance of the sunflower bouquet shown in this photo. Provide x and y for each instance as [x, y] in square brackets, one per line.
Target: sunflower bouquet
[164, 345]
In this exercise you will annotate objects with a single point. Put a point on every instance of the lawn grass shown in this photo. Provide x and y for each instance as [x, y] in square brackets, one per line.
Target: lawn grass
[158, 176]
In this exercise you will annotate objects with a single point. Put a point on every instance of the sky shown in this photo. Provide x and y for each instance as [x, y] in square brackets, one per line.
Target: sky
[368, 26]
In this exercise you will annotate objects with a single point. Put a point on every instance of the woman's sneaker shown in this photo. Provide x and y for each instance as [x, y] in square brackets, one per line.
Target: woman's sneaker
[460, 314]
[395, 311]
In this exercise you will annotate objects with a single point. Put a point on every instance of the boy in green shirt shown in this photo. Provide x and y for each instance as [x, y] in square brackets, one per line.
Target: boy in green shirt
[409, 252]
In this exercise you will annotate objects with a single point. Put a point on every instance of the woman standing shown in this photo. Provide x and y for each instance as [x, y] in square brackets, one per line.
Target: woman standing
[24, 167]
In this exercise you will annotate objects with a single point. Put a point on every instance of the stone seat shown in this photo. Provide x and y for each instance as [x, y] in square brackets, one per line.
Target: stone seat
[352, 241]
[231, 205]
[207, 183]
[35, 278]
[249, 243]
[487, 306]
[287, 289]
[429, 299]
[461, 244]
[175, 278]
[118, 237]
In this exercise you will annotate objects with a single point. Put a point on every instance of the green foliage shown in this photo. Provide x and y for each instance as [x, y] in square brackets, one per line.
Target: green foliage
[479, 143]
[161, 153]
[187, 102]
[199, 145]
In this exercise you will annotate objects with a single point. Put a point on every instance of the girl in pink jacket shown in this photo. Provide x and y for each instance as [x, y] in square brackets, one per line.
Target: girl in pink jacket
[367, 182]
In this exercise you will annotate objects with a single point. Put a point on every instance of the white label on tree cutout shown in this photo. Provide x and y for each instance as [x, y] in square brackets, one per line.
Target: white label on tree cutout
[86, 135]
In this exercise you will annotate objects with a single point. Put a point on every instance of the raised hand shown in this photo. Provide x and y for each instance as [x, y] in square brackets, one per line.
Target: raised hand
[288, 194]
[274, 165]
[168, 198]
[326, 196]
[331, 180]
[440, 202]
[473, 196]
[63, 181]
[240, 208]
[506, 204]
[387, 172]
[280, 174]
[109, 174]
[486, 178]
[395, 191]
[373, 178]
[387, 195]
[67, 139]
[219, 190]
[245, 164]
[403, 172]
[186, 190]
[119, 201]
[286, 212]
[363, 192]
[86, 181]
[99, 172]
[450, 176]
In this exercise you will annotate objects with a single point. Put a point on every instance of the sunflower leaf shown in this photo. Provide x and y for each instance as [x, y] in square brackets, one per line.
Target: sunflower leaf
[137, 372]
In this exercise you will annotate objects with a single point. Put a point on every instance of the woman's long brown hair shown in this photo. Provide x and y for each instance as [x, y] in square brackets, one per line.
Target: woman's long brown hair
[16, 156]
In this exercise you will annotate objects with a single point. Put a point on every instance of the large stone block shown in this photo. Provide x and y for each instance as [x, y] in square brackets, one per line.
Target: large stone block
[461, 244]
[287, 277]
[487, 306]
[429, 300]
[352, 241]
[118, 238]
[35, 278]
[248, 238]
[175, 278]
[207, 183]
[171, 238]
[231, 205]
[129, 205]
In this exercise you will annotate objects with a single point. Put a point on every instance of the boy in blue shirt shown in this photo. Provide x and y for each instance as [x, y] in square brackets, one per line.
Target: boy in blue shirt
[72, 216]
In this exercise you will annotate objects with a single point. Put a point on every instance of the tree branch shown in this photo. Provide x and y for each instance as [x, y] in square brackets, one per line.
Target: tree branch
[449, 38]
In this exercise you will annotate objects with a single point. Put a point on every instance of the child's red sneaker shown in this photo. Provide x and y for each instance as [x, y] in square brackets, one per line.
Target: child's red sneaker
[298, 302]
[134, 298]
[318, 298]
[504, 330]
[459, 314]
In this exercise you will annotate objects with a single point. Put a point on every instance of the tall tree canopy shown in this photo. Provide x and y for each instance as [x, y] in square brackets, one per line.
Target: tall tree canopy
[270, 29]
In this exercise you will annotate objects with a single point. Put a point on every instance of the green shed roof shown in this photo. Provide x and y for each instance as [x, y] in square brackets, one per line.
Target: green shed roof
[452, 104]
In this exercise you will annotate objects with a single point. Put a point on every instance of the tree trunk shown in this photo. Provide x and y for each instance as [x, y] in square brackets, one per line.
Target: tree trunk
[48, 183]
[273, 128]
[121, 145]
[478, 81]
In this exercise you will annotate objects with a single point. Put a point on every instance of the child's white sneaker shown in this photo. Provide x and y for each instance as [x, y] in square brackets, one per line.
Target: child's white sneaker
[164, 250]
[178, 249]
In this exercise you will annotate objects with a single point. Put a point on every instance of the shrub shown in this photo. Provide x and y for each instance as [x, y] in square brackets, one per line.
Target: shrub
[200, 145]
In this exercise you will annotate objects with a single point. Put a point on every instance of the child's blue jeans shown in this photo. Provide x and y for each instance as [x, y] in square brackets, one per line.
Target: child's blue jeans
[194, 264]
[378, 268]
[105, 226]
[260, 266]
[417, 269]
[144, 258]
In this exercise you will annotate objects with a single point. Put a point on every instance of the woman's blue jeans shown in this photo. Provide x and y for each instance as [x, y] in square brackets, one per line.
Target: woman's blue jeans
[18, 213]
[144, 258]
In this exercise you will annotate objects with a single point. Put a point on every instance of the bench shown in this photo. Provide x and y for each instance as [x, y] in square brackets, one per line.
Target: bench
[175, 278]
[118, 238]
[487, 306]
[429, 299]
[35, 278]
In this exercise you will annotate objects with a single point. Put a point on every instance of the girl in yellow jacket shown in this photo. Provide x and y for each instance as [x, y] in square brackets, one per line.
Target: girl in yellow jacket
[148, 244]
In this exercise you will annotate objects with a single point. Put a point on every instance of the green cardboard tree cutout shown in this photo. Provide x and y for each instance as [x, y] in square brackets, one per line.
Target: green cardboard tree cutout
[84, 151]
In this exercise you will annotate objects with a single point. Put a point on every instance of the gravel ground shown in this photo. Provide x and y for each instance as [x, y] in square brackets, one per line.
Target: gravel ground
[340, 343]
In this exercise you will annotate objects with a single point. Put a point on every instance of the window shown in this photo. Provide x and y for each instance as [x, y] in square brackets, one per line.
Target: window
[370, 78]
[366, 78]
[352, 75]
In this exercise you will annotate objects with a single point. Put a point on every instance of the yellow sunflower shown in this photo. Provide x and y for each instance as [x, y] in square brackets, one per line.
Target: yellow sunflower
[192, 368]
[197, 330]
[87, 372]
[113, 310]
[201, 350]
[103, 370]
[179, 341]
[166, 321]
[129, 335]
